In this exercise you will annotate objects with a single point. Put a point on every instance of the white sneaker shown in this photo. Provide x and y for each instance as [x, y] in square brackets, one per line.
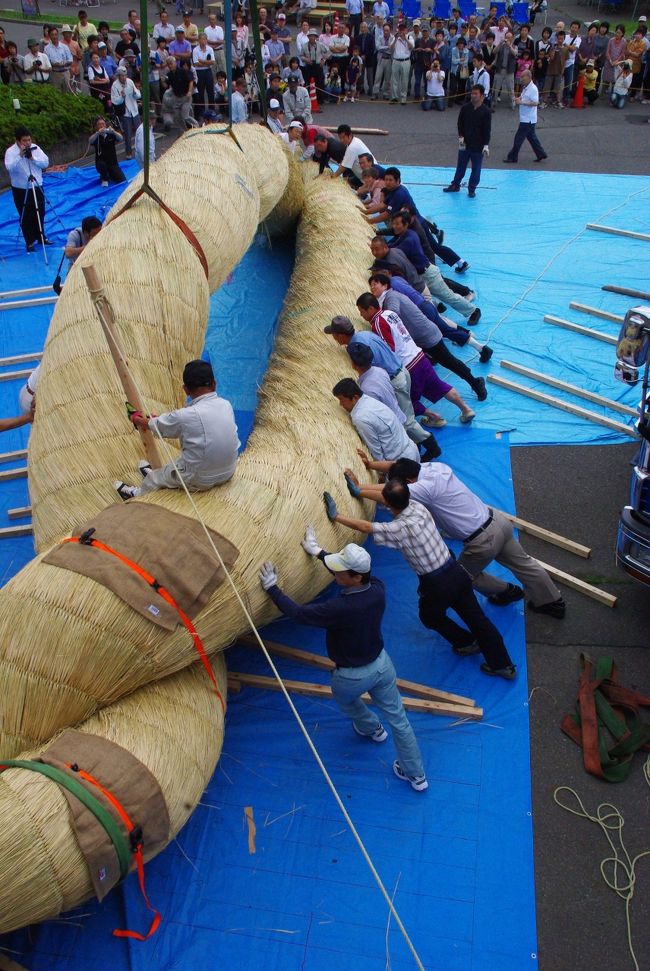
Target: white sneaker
[379, 735]
[144, 467]
[125, 491]
[417, 782]
[104, 184]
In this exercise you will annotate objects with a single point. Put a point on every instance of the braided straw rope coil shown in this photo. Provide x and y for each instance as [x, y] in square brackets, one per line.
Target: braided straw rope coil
[174, 727]
[68, 646]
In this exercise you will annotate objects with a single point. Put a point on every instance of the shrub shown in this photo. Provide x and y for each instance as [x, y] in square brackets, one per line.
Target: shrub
[50, 115]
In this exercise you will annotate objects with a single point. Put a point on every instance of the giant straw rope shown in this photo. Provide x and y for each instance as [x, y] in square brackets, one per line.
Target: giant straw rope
[69, 648]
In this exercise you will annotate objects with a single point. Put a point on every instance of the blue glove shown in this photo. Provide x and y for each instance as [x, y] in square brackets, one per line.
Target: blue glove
[330, 506]
[353, 488]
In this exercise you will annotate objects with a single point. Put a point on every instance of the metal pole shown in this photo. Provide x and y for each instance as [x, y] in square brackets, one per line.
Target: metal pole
[259, 67]
[144, 74]
[227, 18]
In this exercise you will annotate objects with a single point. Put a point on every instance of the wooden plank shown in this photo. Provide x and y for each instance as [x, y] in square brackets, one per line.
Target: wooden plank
[20, 358]
[555, 539]
[638, 294]
[21, 453]
[598, 399]
[359, 131]
[19, 473]
[579, 329]
[618, 232]
[547, 399]
[37, 302]
[21, 293]
[324, 663]
[312, 690]
[595, 312]
[20, 512]
[15, 375]
[580, 585]
[10, 532]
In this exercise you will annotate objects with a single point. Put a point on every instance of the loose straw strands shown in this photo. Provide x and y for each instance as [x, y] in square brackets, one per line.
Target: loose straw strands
[68, 646]
[175, 728]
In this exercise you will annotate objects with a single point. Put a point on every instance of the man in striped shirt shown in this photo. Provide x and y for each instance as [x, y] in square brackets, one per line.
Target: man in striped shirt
[443, 584]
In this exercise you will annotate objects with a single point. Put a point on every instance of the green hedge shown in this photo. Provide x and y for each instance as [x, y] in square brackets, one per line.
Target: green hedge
[50, 115]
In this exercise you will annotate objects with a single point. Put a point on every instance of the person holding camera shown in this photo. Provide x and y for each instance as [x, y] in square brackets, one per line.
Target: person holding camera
[125, 97]
[105, 140]
[13, 71]
[25, 163]
[37, 66]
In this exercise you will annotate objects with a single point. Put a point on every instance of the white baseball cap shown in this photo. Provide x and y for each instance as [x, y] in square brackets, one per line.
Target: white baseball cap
[296, 124]
[351, 557]
[274, 104]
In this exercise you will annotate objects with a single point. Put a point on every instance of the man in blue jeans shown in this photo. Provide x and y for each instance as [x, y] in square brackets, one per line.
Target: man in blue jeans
[355, 643]
[474, 130]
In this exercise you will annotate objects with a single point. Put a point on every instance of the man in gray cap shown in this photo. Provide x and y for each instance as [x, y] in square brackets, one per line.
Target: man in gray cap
[37, 66]
[273, 119]
[355, 644]
[296, 101]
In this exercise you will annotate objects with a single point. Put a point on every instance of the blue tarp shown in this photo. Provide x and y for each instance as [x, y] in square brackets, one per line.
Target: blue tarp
[458, 857]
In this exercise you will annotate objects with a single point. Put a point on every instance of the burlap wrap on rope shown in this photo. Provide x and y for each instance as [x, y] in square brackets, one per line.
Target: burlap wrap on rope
[118, 771]
[171, 547]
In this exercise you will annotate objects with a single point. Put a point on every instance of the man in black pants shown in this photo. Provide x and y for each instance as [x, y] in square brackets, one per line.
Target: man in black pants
[527, 101]
[443, 584]
[25, 163]
[474, 130]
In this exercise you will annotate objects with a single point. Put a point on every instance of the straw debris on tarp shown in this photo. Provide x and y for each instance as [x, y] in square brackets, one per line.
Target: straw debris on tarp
[174, 727]
[69, 646]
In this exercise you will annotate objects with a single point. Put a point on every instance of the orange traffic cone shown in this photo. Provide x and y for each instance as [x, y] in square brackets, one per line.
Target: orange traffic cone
[315, 107]
[579, 96]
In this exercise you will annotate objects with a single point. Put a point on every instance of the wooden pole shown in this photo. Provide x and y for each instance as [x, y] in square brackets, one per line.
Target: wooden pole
[358, 131]
[39, 301]
[105, 314]
[11, 532]
[20, 512]
[547, 399]
[20, 358]
[597, 399]
[618, 232]
[324, 664]
[553, 538]
[23, 293]
[638, 294]
[21, 453]
[579, 329]
[595, 312]
[9, 474]
[580, 585]
[313, 690]
[15, 375]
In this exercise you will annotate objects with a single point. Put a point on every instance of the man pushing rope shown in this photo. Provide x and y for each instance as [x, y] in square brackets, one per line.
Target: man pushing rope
[206, 430]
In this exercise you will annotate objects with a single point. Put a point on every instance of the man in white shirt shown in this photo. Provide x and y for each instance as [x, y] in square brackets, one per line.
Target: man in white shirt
[239, 106]
[60, 59]
[25, 163]
[354, 147]
[37, 66]
[206, 430]
[163, 28]
[340, 50]
[381, 9]
[273, 119]
[215, 36]
[401, 55]
[124, 93]
[527, 101]
[572, 43]
[480, 76]
[377, 425]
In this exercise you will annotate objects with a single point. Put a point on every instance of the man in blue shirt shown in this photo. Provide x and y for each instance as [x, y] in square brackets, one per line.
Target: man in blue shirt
[355, 11]
[355, 644]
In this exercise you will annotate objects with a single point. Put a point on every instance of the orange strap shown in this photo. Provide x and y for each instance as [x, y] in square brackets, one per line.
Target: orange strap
[86, 540]
[135, 836]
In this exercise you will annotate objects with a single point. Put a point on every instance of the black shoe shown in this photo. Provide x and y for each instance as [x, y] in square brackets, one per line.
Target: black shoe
[471, 193]
[441, 307]
[509, 673]
[511, 161]
[540, 158]
[556, 608]
[474, 317]
[486, 354]
[451, 188]
[509, 596]
[463, 266]
[46, 241]
[430, 449]
[167, 127]
[467, 649]
[479, 389]
[30, 248]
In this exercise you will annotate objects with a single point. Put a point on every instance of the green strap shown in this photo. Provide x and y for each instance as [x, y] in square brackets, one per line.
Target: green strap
[102, 816]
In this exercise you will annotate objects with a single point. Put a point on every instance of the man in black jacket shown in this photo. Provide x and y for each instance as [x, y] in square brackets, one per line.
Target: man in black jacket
[474, 128]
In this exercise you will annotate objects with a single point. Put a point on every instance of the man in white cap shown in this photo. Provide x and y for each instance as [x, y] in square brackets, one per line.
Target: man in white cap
[355, 644]
[292, 136]
[273, 119]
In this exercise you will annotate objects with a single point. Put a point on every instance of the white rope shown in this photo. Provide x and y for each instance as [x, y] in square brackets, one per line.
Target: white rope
[289, 701]
[622, 875]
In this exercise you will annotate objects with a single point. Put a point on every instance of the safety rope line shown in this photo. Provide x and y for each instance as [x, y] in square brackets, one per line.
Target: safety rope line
[292, 707]
[621, 878]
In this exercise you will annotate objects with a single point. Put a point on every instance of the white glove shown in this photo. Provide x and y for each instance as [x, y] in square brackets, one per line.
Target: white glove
[268, 576]
[486, 151]
[310, 543]
[461, 142]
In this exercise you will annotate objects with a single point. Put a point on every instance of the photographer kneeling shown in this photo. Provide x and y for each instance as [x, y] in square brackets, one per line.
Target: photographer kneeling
[104, 140]
[25, 163]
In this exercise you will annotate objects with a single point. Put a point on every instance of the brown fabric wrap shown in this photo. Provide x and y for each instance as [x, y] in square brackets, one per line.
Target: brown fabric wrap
[172, 548]
[132, 784]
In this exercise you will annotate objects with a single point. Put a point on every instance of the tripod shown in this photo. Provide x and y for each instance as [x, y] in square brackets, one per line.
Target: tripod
[30, 193]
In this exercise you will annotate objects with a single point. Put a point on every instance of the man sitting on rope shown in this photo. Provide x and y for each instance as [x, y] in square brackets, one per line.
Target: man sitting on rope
[206, 430]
